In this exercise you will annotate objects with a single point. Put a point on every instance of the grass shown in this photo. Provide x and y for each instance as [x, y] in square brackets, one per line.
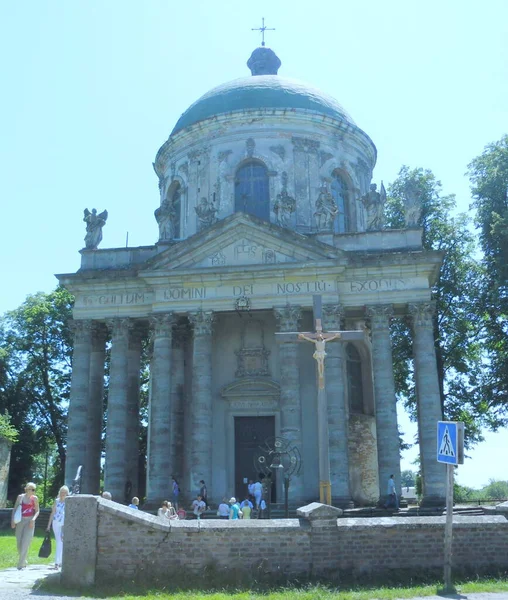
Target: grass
[309, 592]
[9, 553]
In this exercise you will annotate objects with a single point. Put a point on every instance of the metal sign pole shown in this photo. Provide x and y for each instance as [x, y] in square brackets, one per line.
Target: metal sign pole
[450, 450]
[448, 531]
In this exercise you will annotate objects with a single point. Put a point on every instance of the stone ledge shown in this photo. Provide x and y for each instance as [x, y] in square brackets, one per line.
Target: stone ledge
[315, 511]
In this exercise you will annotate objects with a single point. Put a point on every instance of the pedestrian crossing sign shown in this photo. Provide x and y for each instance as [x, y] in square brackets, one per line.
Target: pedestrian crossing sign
[450, 442]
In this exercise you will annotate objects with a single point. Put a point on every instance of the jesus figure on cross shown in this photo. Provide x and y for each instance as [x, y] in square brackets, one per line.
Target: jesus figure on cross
[319, 339]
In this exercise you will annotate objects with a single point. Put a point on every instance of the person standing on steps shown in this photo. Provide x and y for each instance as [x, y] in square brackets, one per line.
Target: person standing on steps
[392, 499]
[175, 490]
[26, 527]
[57, 518]
[203, 492]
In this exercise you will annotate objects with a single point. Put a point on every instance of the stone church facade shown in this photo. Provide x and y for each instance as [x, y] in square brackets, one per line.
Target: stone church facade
[265, 201]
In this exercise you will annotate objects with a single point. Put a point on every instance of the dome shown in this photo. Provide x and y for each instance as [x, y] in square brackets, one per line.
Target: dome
[261, 91]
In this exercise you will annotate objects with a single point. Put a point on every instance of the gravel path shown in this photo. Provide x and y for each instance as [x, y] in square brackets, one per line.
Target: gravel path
[17, 585]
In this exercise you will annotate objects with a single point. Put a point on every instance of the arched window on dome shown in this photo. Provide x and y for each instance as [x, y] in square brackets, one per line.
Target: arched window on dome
[252, 193]
[341, 196]
[354, 379]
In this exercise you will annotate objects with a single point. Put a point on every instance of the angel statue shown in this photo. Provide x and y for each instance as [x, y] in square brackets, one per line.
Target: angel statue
[94, 225]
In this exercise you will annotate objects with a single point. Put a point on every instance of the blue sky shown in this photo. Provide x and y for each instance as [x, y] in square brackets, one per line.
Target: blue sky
[92, 88]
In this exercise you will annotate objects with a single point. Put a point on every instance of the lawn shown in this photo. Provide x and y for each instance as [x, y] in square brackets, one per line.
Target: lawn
[308, 592]
[9, 554]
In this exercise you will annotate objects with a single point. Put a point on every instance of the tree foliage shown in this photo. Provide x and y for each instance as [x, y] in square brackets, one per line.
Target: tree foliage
[35, 371]
[457, 323]
[489, 185]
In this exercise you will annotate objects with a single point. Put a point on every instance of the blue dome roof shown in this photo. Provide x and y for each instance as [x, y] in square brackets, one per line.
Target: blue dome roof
[261, 92]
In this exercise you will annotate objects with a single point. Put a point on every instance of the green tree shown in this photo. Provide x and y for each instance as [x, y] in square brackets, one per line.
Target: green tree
[497, 490]
[489, 185]
[408, 478]
[36, 344]
[457, 323]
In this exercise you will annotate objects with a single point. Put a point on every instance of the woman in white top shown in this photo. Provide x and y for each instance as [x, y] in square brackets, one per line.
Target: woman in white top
[57, 518]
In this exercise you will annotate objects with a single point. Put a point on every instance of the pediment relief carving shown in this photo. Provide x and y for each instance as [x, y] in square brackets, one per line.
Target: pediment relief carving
[242, 240]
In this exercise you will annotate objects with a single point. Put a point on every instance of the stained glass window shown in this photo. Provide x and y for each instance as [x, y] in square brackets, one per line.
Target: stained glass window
[340, 195]
[251, 190]
[354, 379]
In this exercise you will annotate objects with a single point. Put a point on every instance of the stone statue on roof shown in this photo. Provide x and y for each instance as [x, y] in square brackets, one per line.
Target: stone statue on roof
[374, 203]
[94, 224]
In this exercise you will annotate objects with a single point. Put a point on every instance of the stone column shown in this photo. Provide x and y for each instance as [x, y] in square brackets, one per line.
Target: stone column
[202, 400]
[132, 427]
[338, 413]
[288, 319]
[115, 468]
[77, 419]
[429, 402]
[387, 431]
[177, 401]
[92, 467]
[158, 475]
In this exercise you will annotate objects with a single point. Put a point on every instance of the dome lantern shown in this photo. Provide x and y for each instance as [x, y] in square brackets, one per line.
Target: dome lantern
[264, 61]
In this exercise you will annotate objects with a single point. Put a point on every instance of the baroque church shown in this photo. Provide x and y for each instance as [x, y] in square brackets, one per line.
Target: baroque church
[266, 201]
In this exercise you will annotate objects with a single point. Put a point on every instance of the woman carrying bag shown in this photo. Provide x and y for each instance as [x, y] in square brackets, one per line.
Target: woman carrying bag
[56, 519]
[26, 527]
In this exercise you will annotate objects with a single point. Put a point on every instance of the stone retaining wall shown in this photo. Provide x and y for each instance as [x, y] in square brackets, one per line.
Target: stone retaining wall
[107, 541]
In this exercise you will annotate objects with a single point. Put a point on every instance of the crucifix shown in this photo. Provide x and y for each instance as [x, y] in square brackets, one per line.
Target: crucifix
[320, 338]
[263, 29]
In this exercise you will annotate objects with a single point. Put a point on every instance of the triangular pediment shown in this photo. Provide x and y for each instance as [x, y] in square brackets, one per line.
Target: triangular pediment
[242, 240]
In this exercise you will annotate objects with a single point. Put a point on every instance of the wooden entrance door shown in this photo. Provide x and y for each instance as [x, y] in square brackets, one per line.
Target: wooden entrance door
[250, 433]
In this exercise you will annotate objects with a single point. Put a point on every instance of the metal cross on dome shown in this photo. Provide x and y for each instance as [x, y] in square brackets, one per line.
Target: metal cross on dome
[263, 28]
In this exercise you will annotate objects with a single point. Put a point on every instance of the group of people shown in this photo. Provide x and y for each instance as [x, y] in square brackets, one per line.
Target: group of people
[24, 515]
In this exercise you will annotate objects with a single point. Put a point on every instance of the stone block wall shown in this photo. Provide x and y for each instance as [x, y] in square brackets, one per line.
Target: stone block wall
[106, 541]
[5, 460]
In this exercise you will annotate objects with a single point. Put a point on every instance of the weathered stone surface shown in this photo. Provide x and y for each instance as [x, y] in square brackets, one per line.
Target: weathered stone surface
[317, 511]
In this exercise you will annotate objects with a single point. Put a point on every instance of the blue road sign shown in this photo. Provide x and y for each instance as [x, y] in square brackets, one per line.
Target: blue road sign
[450, 442]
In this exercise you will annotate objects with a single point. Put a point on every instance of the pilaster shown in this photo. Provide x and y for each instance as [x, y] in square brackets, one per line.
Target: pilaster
[202, 398]
[429, 402]
[384, 392]
[158, 471]
[338, 413]
[288, 319]
[77, 428]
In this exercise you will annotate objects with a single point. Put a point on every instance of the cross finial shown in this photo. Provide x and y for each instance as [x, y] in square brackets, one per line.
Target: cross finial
[263, 28]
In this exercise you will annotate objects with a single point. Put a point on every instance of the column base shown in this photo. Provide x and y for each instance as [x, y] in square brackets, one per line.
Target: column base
[433, 502]
[342, 502]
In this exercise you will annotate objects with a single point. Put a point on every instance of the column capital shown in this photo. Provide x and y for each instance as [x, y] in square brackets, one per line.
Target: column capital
[288, 317]
[379, 315]
[332, 317]
[422, 313]
[161, 325]
[202, 321]
[81, 329]
[120, 327]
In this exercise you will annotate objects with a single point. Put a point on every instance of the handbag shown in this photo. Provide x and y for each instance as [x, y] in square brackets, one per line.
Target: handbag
[17, 515]
[45, 549]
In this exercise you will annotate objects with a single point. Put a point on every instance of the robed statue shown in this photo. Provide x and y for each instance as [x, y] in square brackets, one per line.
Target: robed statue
[374, 203]
[94, 224]
[326, 210]
[206, 212]
[412, 204]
